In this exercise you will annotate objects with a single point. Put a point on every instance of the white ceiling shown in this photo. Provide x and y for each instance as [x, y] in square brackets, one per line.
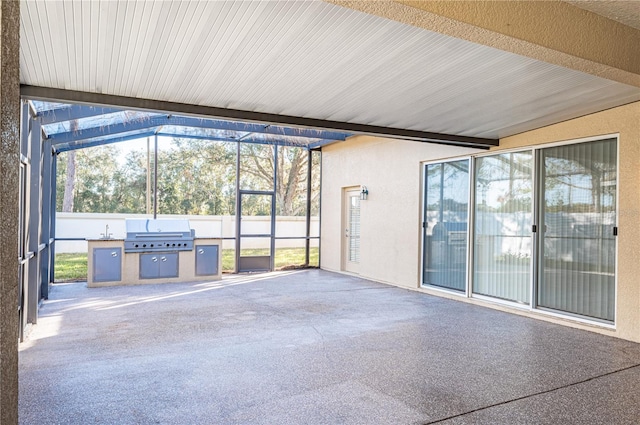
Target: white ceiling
[301, 58]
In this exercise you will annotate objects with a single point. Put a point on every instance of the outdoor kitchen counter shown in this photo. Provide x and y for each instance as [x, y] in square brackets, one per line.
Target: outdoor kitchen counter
[109, 264]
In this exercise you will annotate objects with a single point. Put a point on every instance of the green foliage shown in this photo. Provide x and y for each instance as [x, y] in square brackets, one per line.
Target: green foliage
[195, 177]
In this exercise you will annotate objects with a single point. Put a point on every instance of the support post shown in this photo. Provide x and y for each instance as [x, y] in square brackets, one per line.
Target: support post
[9, 205]
[155, 177]
[308, 241]
[238, 208]
[52, 227]
[32, 293]
[23, 230]
[44, 252]
[148, 209]
[320, 214]
[273, 208]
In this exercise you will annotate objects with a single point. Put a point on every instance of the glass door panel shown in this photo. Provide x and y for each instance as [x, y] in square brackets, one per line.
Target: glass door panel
[577, 218]
[502, 235]
[446, 203]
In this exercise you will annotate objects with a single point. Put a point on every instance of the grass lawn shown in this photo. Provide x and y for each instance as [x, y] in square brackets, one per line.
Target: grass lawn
[71, 267]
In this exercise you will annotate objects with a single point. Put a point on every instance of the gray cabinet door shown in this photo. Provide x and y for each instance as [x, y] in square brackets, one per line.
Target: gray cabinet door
[207, 260]
[107, 264]
[168, 265]
[159, 265]
[149, 267]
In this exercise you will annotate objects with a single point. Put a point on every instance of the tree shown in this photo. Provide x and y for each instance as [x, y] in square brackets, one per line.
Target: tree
[194, 177]
[94, 172]
[256, 172]
[70, 182]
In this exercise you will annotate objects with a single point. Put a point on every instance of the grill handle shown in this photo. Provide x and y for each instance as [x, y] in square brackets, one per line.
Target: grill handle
[159, 235]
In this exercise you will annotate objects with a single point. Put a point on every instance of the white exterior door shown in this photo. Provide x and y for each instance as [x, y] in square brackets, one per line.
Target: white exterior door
[351, 236]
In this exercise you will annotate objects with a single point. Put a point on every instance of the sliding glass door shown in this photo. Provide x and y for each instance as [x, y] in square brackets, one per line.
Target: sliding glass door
[577, 210]
[502, 226]
[543, 229]
[445, 213]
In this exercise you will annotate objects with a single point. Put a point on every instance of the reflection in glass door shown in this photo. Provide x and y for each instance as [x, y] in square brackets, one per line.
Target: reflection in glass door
[502, 226]
[445, 215]
[577, 216]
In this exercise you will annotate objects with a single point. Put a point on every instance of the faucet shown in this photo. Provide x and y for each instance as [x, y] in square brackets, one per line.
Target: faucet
[106, 234]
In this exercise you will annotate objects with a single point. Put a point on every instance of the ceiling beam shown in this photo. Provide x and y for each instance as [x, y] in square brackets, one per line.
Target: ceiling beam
[69, 96]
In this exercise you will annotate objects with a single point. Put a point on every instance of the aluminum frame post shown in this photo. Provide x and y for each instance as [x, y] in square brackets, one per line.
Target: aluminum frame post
[52, 228]
[155, 177]
[238, 208]
[273, 209]
[45, 230]
[307, 245]
[35, 221]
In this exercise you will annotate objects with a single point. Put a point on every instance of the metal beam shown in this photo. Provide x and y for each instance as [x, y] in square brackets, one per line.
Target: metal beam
[320, 143]
[64, 147]
[60, 95]
[178, 121]
[72, 112]
[253, 140]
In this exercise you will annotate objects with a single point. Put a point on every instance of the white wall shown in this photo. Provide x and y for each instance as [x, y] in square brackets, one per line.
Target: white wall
[390, 218]
[92, 226]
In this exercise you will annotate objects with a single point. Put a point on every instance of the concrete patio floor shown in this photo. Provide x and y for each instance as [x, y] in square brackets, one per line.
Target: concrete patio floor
[312, 347]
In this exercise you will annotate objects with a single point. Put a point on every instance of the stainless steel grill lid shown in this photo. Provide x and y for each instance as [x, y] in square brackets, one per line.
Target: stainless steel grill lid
[149, 235]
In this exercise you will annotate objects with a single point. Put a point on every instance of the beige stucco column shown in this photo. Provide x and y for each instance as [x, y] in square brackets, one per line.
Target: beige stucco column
[9, 166]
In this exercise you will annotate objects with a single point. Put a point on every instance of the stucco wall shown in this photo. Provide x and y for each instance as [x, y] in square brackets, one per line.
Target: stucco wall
[391, 216]
[625, 121]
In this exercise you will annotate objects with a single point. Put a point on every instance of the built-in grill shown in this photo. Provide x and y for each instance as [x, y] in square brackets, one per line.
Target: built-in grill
[152, 235]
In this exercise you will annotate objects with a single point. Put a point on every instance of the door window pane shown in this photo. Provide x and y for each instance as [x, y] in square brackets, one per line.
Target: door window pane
[502, 235]
[577, 217]
[354, 229]
[445, 229]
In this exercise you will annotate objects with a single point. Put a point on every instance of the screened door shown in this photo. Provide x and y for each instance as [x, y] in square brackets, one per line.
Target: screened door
[577, 213]
[256, 231]
[445, 215]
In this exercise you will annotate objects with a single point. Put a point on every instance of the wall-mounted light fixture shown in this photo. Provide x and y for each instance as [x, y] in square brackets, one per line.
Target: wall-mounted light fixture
[364, 193]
